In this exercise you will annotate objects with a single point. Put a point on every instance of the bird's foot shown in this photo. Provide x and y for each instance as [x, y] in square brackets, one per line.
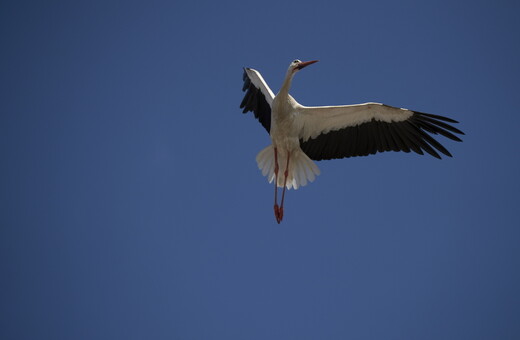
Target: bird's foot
[277, 211]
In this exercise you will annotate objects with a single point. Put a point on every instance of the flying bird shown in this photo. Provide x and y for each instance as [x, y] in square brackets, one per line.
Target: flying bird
[301, 134]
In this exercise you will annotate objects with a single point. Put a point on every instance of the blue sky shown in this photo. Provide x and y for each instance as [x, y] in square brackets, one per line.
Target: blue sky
[132, 206]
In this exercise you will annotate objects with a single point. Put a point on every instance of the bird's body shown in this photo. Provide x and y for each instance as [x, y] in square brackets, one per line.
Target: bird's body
[284, 123]
[300, 134]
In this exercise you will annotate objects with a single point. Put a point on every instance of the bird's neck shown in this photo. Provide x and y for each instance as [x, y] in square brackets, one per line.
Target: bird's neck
[286, 86]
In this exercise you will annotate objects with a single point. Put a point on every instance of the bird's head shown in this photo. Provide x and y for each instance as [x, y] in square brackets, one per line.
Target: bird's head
[297, 65]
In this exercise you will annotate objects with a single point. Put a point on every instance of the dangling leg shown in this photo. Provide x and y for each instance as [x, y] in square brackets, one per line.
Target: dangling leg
[286, 173]
[276, 208]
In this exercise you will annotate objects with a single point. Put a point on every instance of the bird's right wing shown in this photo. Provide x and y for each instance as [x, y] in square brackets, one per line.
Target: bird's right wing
[258, 97]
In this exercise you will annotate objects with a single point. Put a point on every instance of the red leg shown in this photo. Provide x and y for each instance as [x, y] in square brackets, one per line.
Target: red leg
[276, 208]
[286, 173]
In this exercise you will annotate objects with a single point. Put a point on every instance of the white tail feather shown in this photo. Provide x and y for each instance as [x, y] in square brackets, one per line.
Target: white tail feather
[302, 169]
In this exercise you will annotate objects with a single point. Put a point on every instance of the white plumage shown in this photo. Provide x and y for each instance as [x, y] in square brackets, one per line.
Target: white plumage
[302, 169]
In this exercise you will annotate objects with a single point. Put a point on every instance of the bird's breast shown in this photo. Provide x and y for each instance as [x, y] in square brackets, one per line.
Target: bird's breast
[284, 123]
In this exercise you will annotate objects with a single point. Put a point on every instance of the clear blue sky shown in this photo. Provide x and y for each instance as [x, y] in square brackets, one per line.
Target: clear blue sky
[132, 207]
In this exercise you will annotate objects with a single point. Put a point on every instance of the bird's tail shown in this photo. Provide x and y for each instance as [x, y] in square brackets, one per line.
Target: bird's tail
[301, 168]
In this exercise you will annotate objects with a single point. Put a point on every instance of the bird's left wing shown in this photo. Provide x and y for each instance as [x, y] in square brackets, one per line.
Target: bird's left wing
[328, 132]
[258, 97]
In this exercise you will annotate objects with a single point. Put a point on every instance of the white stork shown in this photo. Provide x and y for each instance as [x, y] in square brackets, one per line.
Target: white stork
[300, 134]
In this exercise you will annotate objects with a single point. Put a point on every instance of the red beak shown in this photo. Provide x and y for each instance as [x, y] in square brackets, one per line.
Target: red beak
[306, 63]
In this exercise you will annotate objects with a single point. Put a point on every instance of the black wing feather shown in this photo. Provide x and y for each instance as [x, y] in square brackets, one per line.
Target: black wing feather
[375, 136]
[254, 101]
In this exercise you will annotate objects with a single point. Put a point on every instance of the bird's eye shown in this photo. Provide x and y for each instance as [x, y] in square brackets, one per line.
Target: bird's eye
[296, 61]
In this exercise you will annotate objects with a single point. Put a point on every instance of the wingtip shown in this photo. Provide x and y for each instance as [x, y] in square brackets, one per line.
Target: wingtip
[245, 75]
[439, 117]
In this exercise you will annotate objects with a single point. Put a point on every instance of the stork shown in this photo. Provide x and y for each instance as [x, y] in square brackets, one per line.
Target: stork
[301, 134]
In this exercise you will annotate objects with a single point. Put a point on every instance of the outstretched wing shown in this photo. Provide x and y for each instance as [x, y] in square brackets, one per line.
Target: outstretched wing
[258, 97]
[330, 132]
